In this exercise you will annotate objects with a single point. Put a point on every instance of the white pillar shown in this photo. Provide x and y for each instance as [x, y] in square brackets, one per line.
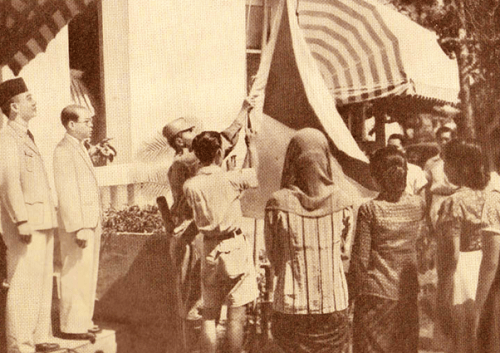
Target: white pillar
[115, 75]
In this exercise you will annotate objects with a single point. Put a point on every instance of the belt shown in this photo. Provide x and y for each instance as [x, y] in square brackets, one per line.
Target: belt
[224, 236]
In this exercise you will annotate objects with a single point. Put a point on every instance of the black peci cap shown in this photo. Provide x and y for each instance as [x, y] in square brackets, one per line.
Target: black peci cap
[11, 88]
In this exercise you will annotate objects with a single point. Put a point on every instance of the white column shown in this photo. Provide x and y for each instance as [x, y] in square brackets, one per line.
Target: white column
[115, 75]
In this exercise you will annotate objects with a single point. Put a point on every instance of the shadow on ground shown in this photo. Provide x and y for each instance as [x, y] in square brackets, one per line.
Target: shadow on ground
[135, 290]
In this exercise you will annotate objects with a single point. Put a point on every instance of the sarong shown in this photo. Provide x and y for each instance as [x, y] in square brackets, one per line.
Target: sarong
[311, 333]
[385, 326]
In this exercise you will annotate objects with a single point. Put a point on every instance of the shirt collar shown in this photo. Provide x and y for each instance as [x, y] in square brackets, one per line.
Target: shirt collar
[211, 169]
[74, 139]
[18, 128]
[494, 182]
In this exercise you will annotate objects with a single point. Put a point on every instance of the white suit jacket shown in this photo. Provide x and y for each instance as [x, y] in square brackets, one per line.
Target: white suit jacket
[76, 186]
[24, 189]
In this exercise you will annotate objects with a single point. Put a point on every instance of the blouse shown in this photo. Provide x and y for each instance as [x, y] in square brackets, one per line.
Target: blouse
[384, 255]
[460, 216]
[491, 212]
[305, 249]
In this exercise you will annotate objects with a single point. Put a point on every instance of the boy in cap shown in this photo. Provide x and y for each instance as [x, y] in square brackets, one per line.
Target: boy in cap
[28, 220]
[180, 134]
[227, 268]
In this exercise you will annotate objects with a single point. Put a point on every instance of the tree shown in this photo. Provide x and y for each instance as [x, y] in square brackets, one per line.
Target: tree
[468, 30]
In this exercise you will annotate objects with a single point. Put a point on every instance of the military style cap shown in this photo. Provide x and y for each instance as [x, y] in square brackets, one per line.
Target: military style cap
[174, 127]
[11, 88]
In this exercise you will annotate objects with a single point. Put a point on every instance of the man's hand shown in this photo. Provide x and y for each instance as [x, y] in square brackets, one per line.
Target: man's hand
[231, 163]
[24, 230]
[252, 160]
[248, 103]
[82, 236]
[250, 137]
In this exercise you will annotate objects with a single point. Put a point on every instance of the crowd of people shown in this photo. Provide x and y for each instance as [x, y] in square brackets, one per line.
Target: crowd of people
[306, 224]
[309, 225]
[329, 260]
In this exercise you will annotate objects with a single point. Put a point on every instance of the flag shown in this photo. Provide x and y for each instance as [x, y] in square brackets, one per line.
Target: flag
[293, 95]
[325, 53]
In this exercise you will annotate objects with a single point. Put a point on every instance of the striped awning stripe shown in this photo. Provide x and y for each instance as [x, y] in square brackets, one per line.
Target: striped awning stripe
[357, 54]
[27, 26]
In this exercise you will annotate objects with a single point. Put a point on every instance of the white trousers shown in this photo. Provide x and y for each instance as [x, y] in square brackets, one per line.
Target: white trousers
[29, 298]
[78, 281]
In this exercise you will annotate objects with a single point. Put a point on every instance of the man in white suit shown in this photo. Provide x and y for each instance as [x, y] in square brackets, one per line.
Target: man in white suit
[79, 224]
[28, 219]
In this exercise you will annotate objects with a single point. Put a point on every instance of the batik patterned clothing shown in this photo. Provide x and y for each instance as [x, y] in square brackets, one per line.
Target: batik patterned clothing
[460, 216]
[384, 325]
[384, 269]
[384, 257]
[321, 333]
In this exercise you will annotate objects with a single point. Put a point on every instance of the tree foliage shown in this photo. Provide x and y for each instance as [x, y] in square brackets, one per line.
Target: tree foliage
[468, 30]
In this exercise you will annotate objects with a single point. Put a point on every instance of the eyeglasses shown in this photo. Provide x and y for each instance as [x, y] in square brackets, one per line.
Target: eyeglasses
[86, 122]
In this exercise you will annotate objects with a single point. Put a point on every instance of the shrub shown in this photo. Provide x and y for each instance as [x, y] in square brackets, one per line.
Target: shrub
[134, 220]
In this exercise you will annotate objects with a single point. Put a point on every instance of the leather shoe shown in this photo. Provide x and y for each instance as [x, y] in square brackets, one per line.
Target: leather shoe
[78, 336]
[46, 347]
[96, 329]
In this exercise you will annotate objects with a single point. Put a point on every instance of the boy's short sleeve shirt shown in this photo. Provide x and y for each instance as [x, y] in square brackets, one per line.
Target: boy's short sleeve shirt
[214, 195]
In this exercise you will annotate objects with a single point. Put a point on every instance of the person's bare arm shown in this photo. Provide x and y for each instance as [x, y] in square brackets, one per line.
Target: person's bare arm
[250, 139]
[448, 253]
[487, 272]
[231, 133]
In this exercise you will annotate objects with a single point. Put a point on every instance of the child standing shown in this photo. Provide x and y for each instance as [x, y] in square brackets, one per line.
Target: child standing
[228, 273]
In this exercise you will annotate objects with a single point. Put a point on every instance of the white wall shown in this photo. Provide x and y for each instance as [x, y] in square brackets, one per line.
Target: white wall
[186, 58]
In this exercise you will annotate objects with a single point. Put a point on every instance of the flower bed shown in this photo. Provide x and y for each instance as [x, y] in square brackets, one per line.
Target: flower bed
[132, 220]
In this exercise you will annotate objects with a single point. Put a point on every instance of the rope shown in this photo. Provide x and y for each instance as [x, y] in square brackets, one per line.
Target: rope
[248, 18]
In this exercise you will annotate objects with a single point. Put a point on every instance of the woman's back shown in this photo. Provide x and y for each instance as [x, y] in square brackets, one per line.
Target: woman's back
[384, 252]
[460, 215]
[306, 252]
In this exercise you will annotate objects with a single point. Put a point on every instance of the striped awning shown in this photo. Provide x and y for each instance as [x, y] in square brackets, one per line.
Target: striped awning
[27, 26]
[356, 49]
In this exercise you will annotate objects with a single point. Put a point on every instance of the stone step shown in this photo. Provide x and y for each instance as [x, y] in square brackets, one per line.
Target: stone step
[105, 343]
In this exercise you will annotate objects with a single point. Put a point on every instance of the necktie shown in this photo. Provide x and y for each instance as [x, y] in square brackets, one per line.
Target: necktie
[86, 153]
[30, 135]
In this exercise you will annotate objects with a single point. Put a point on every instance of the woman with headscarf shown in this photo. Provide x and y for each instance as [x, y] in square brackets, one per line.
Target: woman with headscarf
[384, 282]
[306, 225]
[459, 253]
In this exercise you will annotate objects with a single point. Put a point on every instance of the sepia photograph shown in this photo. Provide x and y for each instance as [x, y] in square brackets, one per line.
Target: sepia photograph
[250, 176]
